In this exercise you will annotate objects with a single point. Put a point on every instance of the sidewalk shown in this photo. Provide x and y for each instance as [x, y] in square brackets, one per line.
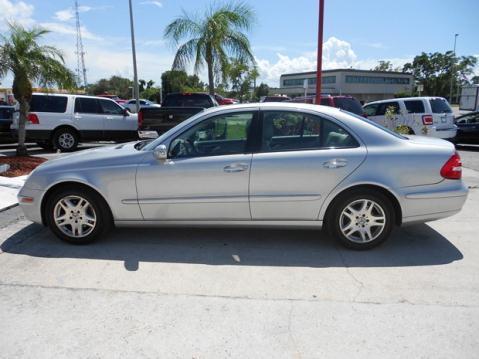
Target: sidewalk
[9, 187]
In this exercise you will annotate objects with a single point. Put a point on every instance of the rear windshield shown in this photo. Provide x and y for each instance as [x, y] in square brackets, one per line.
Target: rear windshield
[45, 103]
[440, 105]
[349, 104]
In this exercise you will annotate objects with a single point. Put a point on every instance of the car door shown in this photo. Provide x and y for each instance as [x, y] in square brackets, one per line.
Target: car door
[88, 118]
[206, 176]
[118, 125]
[303, 157]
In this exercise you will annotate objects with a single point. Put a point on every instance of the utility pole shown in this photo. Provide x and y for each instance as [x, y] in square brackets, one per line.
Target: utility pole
[320, 52]
[452, 68]
[133, 50]
[80, 70]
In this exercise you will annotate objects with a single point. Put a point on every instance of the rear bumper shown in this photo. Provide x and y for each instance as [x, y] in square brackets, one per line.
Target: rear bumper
[433, 203]
[444, 133]
[34, 135]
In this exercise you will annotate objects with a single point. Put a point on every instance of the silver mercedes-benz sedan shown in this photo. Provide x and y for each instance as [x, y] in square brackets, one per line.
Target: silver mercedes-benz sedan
[269, 164]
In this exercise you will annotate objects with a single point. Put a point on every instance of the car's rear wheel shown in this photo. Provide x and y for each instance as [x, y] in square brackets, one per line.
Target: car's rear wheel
[78, 216]
[65, 139]
[361, 219]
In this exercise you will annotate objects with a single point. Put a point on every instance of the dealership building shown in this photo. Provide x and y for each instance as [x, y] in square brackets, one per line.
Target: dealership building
[365, 85]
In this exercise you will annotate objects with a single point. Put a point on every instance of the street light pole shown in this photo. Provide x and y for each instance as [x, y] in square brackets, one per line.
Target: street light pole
[133, 50]
[320, 52]
[452, 68]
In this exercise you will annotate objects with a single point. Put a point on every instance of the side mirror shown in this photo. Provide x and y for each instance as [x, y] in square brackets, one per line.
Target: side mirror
[161, 153]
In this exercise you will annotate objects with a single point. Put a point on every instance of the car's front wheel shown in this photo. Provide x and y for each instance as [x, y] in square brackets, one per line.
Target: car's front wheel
[361, 219]
[78, 216]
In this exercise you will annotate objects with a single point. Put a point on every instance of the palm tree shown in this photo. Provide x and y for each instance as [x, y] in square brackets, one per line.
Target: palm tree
[30, 62]
[212, 39]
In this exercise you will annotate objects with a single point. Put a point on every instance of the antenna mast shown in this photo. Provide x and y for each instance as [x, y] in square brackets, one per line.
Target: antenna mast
[80, 70]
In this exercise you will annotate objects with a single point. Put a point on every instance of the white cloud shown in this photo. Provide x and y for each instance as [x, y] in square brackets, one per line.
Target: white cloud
[336, 54]
[68, 14]
[60, 28]
[18, 11]
[152, 2]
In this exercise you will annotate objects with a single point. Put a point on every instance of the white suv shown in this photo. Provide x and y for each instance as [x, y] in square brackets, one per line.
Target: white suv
[62, 121]
[427, 116]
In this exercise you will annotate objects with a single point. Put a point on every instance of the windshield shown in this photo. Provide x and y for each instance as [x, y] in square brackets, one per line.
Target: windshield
[349, 104]
[395, 134]
[440, 105]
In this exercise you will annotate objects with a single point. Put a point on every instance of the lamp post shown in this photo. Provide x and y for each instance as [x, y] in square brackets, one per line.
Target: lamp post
[133, 50]
[320, 52]
[452, 68]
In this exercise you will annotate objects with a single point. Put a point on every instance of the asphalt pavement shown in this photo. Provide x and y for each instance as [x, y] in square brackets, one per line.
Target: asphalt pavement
[210, 293]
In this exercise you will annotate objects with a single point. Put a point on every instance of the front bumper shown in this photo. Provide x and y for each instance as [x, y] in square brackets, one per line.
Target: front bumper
[33, 209]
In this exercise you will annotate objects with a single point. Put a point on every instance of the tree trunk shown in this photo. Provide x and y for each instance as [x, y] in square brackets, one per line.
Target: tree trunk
[209, 64]
[21, 148]
[211, 79]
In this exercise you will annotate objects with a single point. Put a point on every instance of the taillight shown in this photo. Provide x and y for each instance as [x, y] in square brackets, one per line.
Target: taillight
[452, 169]
[427, 119]
[140, 119]
[33, 119]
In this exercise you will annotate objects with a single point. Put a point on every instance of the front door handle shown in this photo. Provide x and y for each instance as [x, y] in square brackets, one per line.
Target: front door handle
[235, 167]
[335, 163]
[109, 117]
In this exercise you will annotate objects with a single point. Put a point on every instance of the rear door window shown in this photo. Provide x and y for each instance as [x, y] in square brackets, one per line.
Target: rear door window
[45, 103]
[440, 105]
[295, 131]
[87, 105]
[414, 106]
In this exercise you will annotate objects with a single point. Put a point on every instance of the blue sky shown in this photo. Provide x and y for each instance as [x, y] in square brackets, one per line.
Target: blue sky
[356, 33]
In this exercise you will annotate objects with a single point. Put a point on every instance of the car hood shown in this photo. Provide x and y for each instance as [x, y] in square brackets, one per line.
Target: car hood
[115, 155]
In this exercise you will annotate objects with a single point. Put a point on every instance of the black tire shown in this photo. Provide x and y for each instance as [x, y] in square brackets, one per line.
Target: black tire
[46, 145]
[355, 196]
[104, 220]
[65, 139]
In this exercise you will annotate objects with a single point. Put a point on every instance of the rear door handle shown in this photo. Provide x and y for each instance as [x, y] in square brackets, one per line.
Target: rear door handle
[109, 117]
[335, 163]
[236, 167]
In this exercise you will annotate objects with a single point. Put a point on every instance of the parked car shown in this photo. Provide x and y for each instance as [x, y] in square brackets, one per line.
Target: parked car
[131, 104]
[115, 98]
[467, 128]
[347, 103]
[176, 108]
[277, 98]
[427, 116]
[225, 100]
[286, 165]
[63, 121]
[6, 116]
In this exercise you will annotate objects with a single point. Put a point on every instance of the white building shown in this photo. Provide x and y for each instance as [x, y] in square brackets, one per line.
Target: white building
[365, 85]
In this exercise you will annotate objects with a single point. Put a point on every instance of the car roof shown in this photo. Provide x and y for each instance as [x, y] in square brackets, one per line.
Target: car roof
[405, 99]
[70, 95]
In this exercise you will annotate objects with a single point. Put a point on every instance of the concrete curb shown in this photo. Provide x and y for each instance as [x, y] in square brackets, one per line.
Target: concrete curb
[8, 207]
